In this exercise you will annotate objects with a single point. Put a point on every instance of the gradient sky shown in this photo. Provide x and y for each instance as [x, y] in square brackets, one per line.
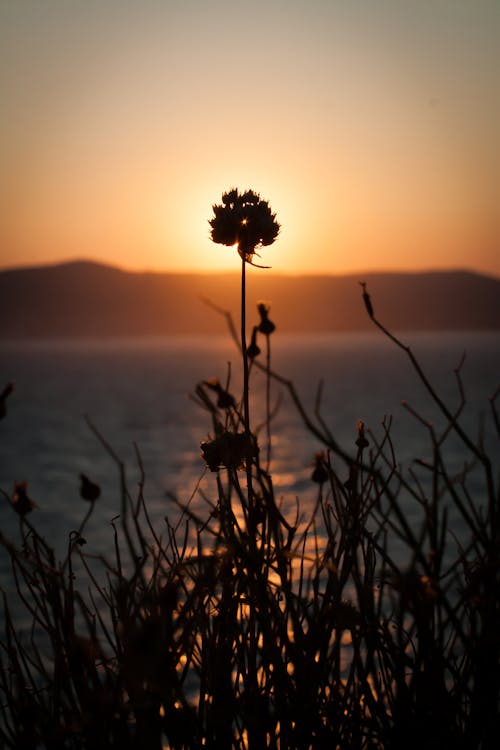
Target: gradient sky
[371, 126]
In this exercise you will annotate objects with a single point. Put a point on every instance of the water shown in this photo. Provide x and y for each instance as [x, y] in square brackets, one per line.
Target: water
[136, 393]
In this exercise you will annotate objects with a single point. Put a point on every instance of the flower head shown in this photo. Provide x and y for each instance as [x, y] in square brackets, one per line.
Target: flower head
[320, 472]
[89, 490]
[228, 449]
[225, 400]
[21, 503]
[361, 441]
[266, 326]
[253, 350]
[243, 219]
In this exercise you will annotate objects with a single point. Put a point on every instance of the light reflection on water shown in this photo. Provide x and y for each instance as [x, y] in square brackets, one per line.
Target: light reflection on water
[137, 392]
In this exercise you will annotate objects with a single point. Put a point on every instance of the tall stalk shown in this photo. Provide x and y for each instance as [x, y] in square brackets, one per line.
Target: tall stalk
[245, 221]
[246, 406]
[268, 401]
[246, 400]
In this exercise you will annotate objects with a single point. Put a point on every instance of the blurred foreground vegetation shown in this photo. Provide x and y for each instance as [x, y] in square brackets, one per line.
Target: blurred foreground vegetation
[253, 626]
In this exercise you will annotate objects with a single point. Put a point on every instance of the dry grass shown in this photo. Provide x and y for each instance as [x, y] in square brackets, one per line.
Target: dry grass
[239, 628]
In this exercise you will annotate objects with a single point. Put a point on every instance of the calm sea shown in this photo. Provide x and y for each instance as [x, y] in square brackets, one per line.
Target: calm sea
[137, 393]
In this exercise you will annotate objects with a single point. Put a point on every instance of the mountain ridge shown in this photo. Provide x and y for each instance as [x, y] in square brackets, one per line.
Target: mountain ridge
[87, 298]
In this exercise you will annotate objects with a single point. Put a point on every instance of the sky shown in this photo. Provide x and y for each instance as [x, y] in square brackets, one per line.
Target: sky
[370, 126]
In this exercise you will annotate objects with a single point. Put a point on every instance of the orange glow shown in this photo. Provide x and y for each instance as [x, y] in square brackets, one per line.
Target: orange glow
[372, 156]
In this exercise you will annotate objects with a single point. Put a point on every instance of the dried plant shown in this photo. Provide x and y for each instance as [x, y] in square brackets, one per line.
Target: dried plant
[249, 625]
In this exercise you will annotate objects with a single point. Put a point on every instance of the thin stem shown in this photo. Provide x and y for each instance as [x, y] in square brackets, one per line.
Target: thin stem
[246, 406]
[476, 450]
[268, 401]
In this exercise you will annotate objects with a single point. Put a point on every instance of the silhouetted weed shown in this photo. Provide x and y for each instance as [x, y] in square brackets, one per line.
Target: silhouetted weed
[250, 626]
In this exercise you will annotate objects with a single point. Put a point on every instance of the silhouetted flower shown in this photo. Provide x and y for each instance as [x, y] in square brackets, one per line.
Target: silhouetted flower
[320, 472]
[89, 490]
[361, 441]
[21, 503]
[253, 349]
[266, 326]
[3, 399]
[229, 450]
[225, 400]
[243, 220]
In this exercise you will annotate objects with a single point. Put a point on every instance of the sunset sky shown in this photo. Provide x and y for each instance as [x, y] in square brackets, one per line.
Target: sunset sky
[370, 126]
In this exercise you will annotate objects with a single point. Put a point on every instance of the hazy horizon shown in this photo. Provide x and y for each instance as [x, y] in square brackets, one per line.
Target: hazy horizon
[236, 271]
[56, 301]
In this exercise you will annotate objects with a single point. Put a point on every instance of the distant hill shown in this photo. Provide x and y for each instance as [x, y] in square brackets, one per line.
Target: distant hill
[88, 299]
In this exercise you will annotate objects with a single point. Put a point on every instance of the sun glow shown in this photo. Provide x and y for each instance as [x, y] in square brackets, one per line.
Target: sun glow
[365, 166]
